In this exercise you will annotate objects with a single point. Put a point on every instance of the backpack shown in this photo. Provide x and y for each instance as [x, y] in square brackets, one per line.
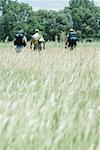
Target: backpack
[19, 39]
[72, 37]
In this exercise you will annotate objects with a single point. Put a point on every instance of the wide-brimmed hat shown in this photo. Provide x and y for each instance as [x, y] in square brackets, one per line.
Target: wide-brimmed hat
[71, 30]
[36, 30]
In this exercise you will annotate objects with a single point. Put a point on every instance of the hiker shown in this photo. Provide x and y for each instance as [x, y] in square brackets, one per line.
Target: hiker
[71, 39]
[20, 41]
[37, 41]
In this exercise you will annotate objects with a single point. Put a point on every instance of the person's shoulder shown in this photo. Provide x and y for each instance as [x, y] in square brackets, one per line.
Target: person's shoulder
[35, 34]
[75, 32]
[25, 37]
[41, 35]
[32, 37]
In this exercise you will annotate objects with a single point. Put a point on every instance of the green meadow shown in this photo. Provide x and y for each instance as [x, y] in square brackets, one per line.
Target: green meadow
[50, 100]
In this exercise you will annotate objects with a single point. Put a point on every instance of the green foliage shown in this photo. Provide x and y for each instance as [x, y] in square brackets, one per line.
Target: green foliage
[82, 15]
[13, 17]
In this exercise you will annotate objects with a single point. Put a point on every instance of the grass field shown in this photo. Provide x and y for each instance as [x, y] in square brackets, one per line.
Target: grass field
[50, 100]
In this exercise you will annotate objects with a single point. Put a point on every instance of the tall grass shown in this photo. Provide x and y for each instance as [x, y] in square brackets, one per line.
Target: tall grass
[49, 100]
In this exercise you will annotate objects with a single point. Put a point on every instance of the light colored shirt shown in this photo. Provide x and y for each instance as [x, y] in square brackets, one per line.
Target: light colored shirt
[37, 38]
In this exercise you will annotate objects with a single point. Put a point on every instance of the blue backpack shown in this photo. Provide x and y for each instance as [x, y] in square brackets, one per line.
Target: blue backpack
[72, 37]
[19, 39]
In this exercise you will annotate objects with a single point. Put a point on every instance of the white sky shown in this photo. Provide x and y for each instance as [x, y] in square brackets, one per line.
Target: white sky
[50, 4]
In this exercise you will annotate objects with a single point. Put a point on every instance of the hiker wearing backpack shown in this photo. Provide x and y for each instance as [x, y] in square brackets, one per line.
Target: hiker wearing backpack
[71, 40]
[20, 41]
[37, 41]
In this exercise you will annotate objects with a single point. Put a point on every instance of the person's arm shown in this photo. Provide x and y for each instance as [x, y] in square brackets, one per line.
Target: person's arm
[43, 43]
[41, 39]
[31, 44]
[68, 38]
[24, 41]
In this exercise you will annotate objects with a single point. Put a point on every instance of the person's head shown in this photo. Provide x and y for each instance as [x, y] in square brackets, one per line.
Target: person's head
[21, 31]
[71, 30]
[36, 30]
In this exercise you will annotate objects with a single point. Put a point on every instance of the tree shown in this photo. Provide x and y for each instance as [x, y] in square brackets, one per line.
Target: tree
[84, 16]
[13, 17]
[81, 14]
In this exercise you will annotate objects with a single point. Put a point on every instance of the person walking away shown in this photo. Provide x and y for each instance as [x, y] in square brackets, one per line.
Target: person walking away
[20, 41]
[37, 41]
[71, 39]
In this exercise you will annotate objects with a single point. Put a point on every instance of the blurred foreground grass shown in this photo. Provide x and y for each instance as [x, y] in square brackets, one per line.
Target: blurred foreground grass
[50, 100]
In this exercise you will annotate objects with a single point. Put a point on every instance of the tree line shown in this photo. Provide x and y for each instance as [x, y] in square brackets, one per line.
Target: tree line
[82, 15]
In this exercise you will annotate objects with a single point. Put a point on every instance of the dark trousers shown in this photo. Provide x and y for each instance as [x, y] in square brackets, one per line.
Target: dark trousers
[72, 43]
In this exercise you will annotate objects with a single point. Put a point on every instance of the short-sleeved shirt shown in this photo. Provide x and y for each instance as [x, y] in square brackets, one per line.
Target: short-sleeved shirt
[36, 38]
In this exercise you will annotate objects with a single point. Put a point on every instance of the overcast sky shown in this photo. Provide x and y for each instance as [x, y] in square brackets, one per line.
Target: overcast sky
[50, 4]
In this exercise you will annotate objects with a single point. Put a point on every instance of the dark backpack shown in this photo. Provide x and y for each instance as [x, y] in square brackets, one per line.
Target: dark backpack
[19, 39]
[72, 37]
